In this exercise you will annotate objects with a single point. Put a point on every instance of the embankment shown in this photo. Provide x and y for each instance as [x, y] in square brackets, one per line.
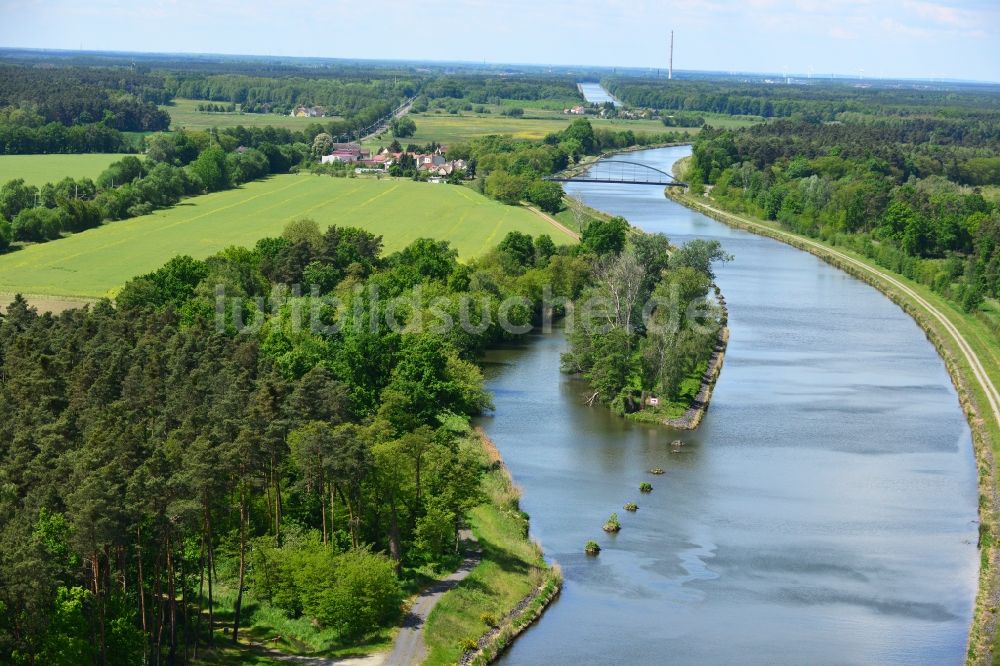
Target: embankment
[506, 592]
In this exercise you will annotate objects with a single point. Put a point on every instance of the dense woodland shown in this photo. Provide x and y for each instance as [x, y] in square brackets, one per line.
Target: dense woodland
[900, 190]
[151, 457]
[75, 109]
[815, 102]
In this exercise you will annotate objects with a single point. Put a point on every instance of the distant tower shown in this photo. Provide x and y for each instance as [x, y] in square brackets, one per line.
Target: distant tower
[670, 73]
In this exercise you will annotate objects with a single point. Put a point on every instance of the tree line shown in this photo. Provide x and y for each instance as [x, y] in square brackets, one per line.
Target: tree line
[816, 101]
[176, 165]
[512, 170]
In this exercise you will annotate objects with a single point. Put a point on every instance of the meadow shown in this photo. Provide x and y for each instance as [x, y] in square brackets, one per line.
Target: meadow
[184, 113]
[448, 128]
[40, 169]
[95, 263]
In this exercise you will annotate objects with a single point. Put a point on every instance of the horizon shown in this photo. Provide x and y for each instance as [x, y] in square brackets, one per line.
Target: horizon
[472, 64]
[848, 39]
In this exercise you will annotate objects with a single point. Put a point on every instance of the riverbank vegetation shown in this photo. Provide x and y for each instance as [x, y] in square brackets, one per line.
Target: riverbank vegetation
[480, 614]
[651, 324]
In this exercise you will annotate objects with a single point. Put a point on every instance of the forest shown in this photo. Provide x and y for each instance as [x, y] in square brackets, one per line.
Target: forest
[154, 452]
[813, 101]
[903, 191]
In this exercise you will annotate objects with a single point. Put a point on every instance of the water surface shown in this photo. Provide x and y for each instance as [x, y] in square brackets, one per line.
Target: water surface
[595, 93]
[824, 513]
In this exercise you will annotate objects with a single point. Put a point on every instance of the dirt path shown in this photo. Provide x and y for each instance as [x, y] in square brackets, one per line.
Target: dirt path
[978, 371]
[409, 648]
[553, 221]
[53, 304]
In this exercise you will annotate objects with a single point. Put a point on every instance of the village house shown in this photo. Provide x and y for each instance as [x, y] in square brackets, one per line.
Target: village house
[346, 152]
[308, 112]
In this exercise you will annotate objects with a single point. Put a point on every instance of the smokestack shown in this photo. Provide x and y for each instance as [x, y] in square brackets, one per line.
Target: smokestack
[670, 73]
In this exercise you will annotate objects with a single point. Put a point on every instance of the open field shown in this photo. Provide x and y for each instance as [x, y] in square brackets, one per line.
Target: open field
[41, 169]
[94, 263]
[184, 113]
[449, 128]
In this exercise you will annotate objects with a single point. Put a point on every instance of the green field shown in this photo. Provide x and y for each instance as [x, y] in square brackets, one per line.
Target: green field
[94, 263]
[450, 128]
[184, 113]
[41, 169]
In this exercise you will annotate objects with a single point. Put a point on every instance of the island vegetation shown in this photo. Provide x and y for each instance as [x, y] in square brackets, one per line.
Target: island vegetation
[652, 322]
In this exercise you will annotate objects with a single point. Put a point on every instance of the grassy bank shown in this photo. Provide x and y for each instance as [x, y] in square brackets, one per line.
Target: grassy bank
[512, 574]
[956, 335]
[95, 263]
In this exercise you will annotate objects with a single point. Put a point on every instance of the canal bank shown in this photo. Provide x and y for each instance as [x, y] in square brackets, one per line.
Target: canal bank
[824, 512]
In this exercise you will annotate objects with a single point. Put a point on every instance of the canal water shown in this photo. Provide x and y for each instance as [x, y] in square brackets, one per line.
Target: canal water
[824, 513]
[595, 93]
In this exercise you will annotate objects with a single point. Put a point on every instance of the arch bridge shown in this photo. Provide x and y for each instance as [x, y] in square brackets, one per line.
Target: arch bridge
[620, 171]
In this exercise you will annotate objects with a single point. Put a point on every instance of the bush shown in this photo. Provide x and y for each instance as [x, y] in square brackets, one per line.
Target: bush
[38, 224]
[505, 187]
[645, 487]
[364, 595]
[612, 525]
[403, 127]
[631, 506]
[546, 195]
[592, 548]
[6, 235]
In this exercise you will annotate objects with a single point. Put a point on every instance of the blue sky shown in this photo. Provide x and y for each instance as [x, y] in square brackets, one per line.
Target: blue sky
[910, 38]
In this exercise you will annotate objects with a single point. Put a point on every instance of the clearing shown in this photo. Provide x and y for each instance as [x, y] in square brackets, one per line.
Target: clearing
[184, 113]
[40, 169]
[450, 128]
[95, 263]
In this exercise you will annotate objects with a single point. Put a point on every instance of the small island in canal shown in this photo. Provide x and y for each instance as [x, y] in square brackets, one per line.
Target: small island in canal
[649, 334]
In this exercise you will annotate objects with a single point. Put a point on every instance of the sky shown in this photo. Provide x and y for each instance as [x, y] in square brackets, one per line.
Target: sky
[869, 38]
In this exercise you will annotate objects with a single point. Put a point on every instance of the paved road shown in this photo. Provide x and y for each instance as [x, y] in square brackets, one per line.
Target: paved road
[978, 371]
[409, 648]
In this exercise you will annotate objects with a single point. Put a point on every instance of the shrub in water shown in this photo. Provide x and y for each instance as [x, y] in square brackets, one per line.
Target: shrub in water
[592, 548]
[631, 506]
[645, 487]
[612, 524]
